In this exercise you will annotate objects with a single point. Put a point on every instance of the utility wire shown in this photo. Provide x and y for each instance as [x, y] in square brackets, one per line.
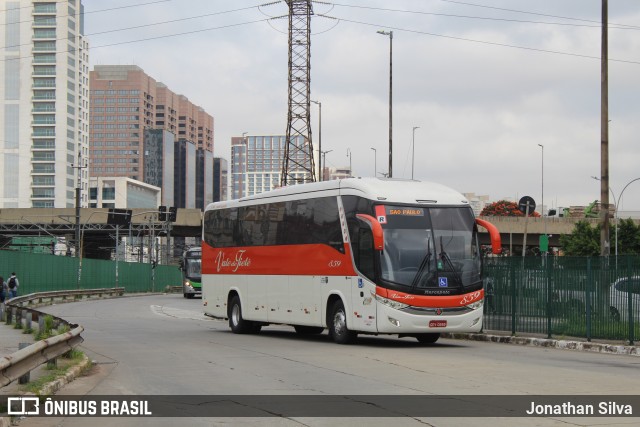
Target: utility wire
[87, 12]
[477, 41]
[151, 38]
[181, 34]
[532, 13]
[158, 23]
[415, 12]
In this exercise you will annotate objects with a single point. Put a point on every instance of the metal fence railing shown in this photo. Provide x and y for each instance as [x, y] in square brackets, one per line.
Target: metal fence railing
[44, 272]
[587, 297]
[583, 297]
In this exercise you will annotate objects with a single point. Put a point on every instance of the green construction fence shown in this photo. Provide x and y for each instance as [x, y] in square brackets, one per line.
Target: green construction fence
[45, 272]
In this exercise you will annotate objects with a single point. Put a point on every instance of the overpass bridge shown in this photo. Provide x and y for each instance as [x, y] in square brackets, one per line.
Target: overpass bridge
[97, 235]
[96, 232]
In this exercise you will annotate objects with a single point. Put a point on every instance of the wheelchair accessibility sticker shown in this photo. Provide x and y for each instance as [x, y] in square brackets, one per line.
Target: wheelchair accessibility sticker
[360, 283]
[443, 282]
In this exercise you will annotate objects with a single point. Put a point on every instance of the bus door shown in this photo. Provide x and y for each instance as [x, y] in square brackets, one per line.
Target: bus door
[363, 304]
[363, 287]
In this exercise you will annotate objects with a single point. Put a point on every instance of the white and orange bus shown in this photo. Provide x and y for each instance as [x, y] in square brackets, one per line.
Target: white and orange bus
[358, 255]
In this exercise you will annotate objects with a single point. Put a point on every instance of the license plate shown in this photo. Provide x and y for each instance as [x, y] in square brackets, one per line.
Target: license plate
[438, 324]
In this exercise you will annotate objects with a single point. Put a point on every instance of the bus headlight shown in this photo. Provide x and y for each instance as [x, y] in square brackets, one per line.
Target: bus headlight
[475, 305]
[391, 303]
[188, 284]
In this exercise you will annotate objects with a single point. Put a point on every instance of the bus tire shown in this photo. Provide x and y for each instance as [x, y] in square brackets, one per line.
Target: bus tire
[427, 338]
[338, 325]
[237, 324]
[308, 330]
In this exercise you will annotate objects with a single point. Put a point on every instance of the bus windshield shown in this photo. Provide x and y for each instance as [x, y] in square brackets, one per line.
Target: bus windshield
[192, 268]
[429, 250]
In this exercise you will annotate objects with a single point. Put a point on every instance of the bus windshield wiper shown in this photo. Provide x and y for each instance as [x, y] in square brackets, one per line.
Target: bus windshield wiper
[423, 265]
[447, 260]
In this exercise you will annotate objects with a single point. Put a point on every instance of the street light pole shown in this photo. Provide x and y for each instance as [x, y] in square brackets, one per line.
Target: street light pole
[349, 156]
[324, 157]
[413, 149]
[320, 174]
[544, 222]
[390, 34]
[375, 162]
[79, 166]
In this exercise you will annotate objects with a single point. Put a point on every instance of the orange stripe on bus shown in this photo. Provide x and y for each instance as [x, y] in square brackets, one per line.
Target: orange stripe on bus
[434, 301]
[285, 260]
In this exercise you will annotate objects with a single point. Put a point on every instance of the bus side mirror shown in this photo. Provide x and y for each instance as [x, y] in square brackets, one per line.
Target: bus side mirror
[376, 230]
[494, 234]
[181, 265]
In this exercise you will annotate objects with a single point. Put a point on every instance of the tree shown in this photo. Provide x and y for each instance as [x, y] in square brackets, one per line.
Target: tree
[584, 240]
[504, 208]
[628, 237]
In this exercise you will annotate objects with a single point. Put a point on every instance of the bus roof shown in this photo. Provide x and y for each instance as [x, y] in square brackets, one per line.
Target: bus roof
[388, 190]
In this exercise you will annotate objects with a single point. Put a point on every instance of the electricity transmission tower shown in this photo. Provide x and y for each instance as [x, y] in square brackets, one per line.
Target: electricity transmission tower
[298, 165]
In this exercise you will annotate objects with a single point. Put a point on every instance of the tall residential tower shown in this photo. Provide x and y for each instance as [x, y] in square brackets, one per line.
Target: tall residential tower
[44, 107]
[142, 130]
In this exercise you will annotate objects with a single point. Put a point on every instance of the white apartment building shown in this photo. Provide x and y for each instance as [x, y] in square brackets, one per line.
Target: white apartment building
[256, 163]
[122, 193]
[44, 104]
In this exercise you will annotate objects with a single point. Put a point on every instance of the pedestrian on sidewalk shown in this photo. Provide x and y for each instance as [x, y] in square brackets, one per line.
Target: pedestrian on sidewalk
[13, 285]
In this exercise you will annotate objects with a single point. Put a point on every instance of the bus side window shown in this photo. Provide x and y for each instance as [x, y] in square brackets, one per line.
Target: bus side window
[366, 253]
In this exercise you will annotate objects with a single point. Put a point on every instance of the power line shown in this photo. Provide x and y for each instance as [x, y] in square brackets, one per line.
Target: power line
[520, 11]
[535, 13]
[159, 23]
[477, 41]
[415, 12]
[87, 12]
[149, 38]
[182, 34]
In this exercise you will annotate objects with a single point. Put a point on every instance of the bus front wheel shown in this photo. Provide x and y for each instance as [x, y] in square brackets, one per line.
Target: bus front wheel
[338, 325]
[427, 338]
[237, 324]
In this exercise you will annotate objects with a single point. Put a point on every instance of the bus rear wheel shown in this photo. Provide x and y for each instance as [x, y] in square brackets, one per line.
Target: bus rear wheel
[236, 322]
[338, 325]
[427, 338]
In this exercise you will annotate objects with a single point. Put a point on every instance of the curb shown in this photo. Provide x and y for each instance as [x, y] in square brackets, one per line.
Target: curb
[73, 373]
[627, 350]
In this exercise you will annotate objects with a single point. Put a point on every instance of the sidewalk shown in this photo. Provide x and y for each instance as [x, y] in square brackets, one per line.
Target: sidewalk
[10, 340]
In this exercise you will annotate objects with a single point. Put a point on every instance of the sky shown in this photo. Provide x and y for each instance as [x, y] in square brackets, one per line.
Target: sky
[486, 81]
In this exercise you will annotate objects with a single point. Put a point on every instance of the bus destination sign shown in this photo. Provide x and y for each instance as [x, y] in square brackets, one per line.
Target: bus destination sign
[406, 211]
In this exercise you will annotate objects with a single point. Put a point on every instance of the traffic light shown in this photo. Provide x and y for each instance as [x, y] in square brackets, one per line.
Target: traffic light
[119, 217]
[163, 213]
[173, 212]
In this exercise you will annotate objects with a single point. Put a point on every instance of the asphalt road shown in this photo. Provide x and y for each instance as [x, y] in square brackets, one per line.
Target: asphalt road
[164, 345]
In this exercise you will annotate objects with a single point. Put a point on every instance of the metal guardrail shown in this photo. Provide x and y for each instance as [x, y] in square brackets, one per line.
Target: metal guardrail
[25, 360]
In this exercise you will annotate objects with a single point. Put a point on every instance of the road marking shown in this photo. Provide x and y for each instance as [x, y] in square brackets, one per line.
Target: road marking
[178, 313]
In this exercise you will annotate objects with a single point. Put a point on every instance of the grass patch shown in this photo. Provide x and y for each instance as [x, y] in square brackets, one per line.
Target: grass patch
[600, 328]
[64, 363]
[47, 330]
